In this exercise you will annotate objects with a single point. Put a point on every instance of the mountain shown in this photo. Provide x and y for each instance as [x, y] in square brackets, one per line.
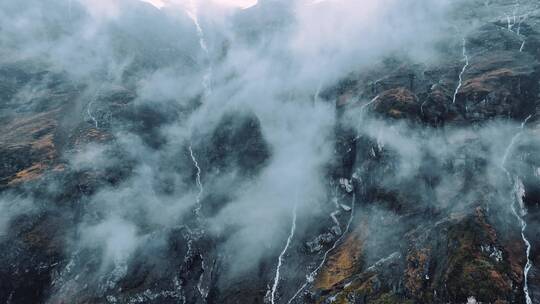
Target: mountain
[292, 152]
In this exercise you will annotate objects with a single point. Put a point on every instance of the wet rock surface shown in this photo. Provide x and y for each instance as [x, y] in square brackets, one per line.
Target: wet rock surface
[438, 225]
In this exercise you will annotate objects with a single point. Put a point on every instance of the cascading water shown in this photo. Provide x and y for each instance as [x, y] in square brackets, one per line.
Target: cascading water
[202, 291]
[282, 255]
[89, 112]
[519, 193]
[89, 109]
[514, 23]
[311, 276]
[466, 59]
[192, 12]
[198, 181]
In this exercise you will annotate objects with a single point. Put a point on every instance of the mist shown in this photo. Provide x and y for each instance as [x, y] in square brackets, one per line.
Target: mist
[199, 138]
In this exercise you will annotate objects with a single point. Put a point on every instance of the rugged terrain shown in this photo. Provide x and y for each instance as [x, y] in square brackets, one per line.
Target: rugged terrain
[430, 193]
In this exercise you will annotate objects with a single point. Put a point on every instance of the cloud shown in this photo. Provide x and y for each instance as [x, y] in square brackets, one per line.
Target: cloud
[117, 238]
[12, 207]
[276, 79]
[270, 66]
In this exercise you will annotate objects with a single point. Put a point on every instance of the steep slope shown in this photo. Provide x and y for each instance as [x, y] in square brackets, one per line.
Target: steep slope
[134, 188]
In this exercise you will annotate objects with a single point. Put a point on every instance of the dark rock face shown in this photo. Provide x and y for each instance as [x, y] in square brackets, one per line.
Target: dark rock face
[237, 142]
[397, 103]
[440, 251]
[424, 210]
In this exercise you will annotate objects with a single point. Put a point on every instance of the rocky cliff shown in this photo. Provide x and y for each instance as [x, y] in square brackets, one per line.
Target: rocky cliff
[111, 191]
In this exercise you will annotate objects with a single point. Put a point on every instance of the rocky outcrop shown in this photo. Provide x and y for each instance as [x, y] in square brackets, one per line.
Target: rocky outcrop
[420, 210]
[452, 250]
